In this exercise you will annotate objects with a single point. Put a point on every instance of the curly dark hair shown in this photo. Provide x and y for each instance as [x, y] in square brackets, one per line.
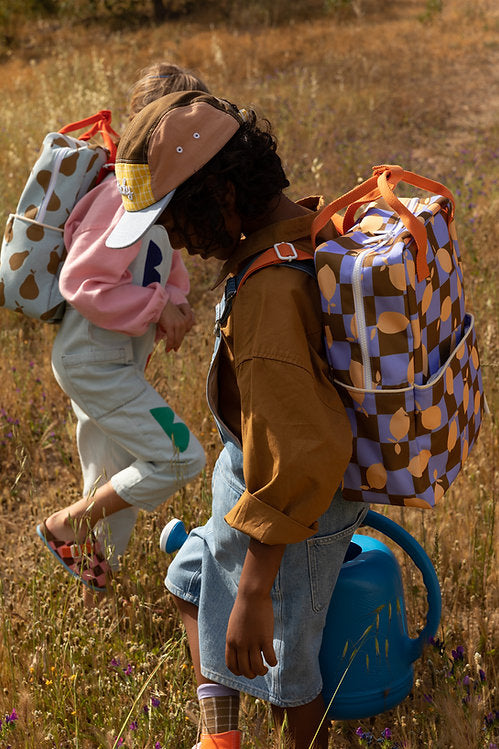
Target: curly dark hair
[249, 161]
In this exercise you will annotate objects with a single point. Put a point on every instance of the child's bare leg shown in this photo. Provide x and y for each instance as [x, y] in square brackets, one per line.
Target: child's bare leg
[189, 614]
[66, 524]
[218, 705]
[302, 724]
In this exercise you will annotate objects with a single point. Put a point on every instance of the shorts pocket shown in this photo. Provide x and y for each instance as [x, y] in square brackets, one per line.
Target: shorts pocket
[325, 558]
[101, 382]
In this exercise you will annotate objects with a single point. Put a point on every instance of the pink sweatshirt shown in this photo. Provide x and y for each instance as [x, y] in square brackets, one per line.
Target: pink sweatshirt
[96, 280]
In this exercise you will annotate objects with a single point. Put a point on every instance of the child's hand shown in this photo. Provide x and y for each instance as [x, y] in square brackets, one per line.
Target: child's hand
[250, 634]
[250, 631]
[189, 314]
[174, 322]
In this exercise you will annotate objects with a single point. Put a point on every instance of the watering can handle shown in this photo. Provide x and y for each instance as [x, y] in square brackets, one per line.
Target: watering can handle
[423, 563]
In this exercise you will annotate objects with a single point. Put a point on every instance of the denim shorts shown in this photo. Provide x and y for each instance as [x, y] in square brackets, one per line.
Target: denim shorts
[206, 572]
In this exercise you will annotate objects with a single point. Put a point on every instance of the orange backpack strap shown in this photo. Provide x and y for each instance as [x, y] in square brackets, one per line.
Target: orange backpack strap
[381, 184]
[281, 252]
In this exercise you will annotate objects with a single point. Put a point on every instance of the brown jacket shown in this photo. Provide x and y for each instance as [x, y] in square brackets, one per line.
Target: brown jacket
[275, 395]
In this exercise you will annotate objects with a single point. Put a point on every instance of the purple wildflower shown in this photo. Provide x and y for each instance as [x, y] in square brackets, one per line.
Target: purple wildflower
[115, 663]
[12, 717]
[128, 670]
[154, 702]
[145, 709]
[386, 734]
[491, 718]
[481, 673]
[133, 725]
[157, 745]
[364, 735]
[458, 653]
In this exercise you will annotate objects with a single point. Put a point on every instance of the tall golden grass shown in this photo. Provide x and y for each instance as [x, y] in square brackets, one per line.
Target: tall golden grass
[390, 84]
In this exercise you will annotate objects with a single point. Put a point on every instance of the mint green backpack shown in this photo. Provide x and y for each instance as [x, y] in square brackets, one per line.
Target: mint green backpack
[33, 244]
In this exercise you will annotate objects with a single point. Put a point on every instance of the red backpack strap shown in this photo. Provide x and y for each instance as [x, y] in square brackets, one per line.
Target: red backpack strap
[281, 252]
[100, 123]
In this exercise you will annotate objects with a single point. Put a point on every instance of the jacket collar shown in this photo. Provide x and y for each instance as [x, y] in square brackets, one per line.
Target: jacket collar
[282, 231]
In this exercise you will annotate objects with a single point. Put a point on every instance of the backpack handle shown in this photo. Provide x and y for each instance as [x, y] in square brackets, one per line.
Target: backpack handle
[381, 184]
[101, 123]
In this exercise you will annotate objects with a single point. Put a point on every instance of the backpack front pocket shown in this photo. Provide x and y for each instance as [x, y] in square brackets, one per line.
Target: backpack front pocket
[409, 444]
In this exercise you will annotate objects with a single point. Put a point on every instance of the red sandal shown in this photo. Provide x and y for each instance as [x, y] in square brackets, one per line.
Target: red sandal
[84, 561]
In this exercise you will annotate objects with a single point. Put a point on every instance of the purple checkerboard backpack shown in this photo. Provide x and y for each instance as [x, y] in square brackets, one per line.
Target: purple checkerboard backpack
[402, 349]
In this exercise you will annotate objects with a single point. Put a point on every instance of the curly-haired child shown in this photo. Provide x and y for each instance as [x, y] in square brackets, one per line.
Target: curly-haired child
[253, 585]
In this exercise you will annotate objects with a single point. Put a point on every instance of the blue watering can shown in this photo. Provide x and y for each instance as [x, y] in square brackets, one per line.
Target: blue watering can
[366, 656]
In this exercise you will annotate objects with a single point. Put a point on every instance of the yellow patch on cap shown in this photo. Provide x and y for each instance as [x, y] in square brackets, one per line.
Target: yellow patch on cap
[134, 184]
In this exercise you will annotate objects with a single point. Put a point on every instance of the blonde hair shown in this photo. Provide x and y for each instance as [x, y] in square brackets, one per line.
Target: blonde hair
[159, 79]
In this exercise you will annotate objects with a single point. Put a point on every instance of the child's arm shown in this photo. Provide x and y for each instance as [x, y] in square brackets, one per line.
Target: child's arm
[178, 285]
[251, 624]
[177, 317]
[294, 430]
[296, 442]
[97, 281]
[99, 285]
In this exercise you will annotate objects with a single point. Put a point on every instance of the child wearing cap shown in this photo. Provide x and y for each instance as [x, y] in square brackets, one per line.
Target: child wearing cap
[134, 450]
[253, 585]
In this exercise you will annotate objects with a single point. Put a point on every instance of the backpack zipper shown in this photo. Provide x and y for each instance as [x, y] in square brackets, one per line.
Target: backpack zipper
[378, 240]
[360, 316]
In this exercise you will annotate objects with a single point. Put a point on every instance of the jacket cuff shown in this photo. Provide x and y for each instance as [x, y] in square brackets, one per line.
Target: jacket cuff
[265, 523]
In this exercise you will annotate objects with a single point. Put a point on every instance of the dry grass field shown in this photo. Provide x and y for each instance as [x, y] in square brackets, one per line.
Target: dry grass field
[391, 83]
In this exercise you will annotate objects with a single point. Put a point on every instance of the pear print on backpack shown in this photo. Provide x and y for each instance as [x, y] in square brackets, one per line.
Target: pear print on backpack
[33, 244]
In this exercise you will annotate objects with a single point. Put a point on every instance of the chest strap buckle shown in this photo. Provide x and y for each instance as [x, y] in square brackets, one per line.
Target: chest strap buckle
[282, 247]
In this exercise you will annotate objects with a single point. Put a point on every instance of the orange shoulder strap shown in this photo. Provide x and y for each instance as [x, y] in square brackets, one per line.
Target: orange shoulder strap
[281, 252]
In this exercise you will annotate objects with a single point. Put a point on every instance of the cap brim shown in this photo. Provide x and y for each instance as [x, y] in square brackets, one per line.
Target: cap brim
[134, 224]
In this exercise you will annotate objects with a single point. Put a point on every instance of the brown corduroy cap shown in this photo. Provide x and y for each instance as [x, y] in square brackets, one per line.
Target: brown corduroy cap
[165, 144]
